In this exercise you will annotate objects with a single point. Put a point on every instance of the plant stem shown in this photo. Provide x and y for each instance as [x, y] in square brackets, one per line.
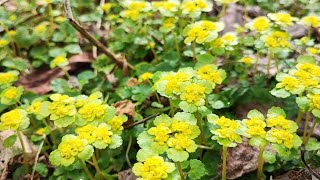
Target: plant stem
[176, 43]
[164, 41]
[306, 123]
[299, 118]
[127, 151]
[261, 162]
[180, 170]
[25, 156]
[224, 162]
[194, 51]
[96, 166]
[223, 11]
[85, 168]
[53, 137]
[311, 131]
[269, 64]
[202, 136]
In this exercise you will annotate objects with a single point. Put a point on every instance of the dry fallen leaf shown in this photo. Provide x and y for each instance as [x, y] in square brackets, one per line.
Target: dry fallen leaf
[126, 175]
[38, 81]
[125, 107]
[132, 82]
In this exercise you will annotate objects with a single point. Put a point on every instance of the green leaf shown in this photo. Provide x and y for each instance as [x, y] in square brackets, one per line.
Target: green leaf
[163, 118]
[269, 157]
[303, 103]
[197, 169]
[280, 93]
[316, 113]
[86, 153]
[306, 59]
[84, 77]
[42, 169]
[275, 111]
[313, 145]
[296, 141]
[115, 142]
[9, 142]
[212, 118]
[177, 155]
[185, 117]
[255, 114]
[281, 149]
[73, 48]
[144, 139]
[257, 141]
[145, 153]
[204, 59]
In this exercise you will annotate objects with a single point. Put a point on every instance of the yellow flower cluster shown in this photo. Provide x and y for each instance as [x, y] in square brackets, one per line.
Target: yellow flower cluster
[145, 76]
[226, 1]
[260, 24]
[193, 94]
[153, 168]
[161, 133]
[14, 120]
[62, 109]
[11, 95]
[59, 61]
[226, 130]
[281, 136]
[7, 78]
[202, 31]
[194, 8]
[134, 9]
[166, 8]
[311, 21]
[282, 19]
[277, 39]
[3, 43]
[256, 127]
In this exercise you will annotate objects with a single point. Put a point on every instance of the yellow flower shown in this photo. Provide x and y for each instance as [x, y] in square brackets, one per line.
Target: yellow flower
[153, 168]
[12, 33]
[260, 24]
[116, 123]
[40, 28]
[256, 127]
[311, 21]
[202, 31]
[226, 1]
[161, 133]
[34, 107]
[13, 18]
[145, 76]
[279, 122]
[289, 83]
[315, 101]
[313, 51]
[211, 74]
[277, 39]
[62, 106]
[166, 8]
[310, 68]
[71, 147]
[15, 120]
[3, 43]
[40, 131]
[8, 77]
[227, 133]
[134, 9]
[282, 19]
[182, 142]
[92, 111]
[281, 136]
[86, 132]
[106, 7]
[60, 19]
[60, 61]
[11, 95]
[247, 60]
[182, 128]
[193, 8]
[102, 134]
[193, 94]
[217, 43]
[230, 39]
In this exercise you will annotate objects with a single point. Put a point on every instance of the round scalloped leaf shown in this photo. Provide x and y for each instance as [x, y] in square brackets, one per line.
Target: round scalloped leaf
[257, 141]
[67, 162]
[255, 114]
[293, 126]
[110, 113]
[65, 121]
[160, 149]
[197, 169]
[316, 112]
[177, 155]
[313, 145]
[281, 149]
[280, 93]
[185, 117]
[163, 118]
[186, 107]
[174, 175]
[275, 111]
[303, 103]
[44, 110]
[195, 131]
[144, 139]
[306, 59]
[212, 118]
[269, 157]
[226, 142]
[145, 153]
[86, 153]
[55, 158]
[296, 141]
[116, 141]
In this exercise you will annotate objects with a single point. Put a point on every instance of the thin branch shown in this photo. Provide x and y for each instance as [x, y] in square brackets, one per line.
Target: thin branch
[141, 121]
[37, 157]
[306, 165]
[121, 62]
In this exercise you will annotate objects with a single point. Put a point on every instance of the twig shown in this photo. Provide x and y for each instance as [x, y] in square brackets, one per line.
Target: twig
[302, 149]
[141, 121]
[37, 157]
[3, 1]
[114, 57]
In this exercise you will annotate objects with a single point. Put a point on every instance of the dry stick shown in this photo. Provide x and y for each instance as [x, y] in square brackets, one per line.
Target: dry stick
[302, 149]
[37, 157]
[98, 26]
[94, 41]
[141, 121]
